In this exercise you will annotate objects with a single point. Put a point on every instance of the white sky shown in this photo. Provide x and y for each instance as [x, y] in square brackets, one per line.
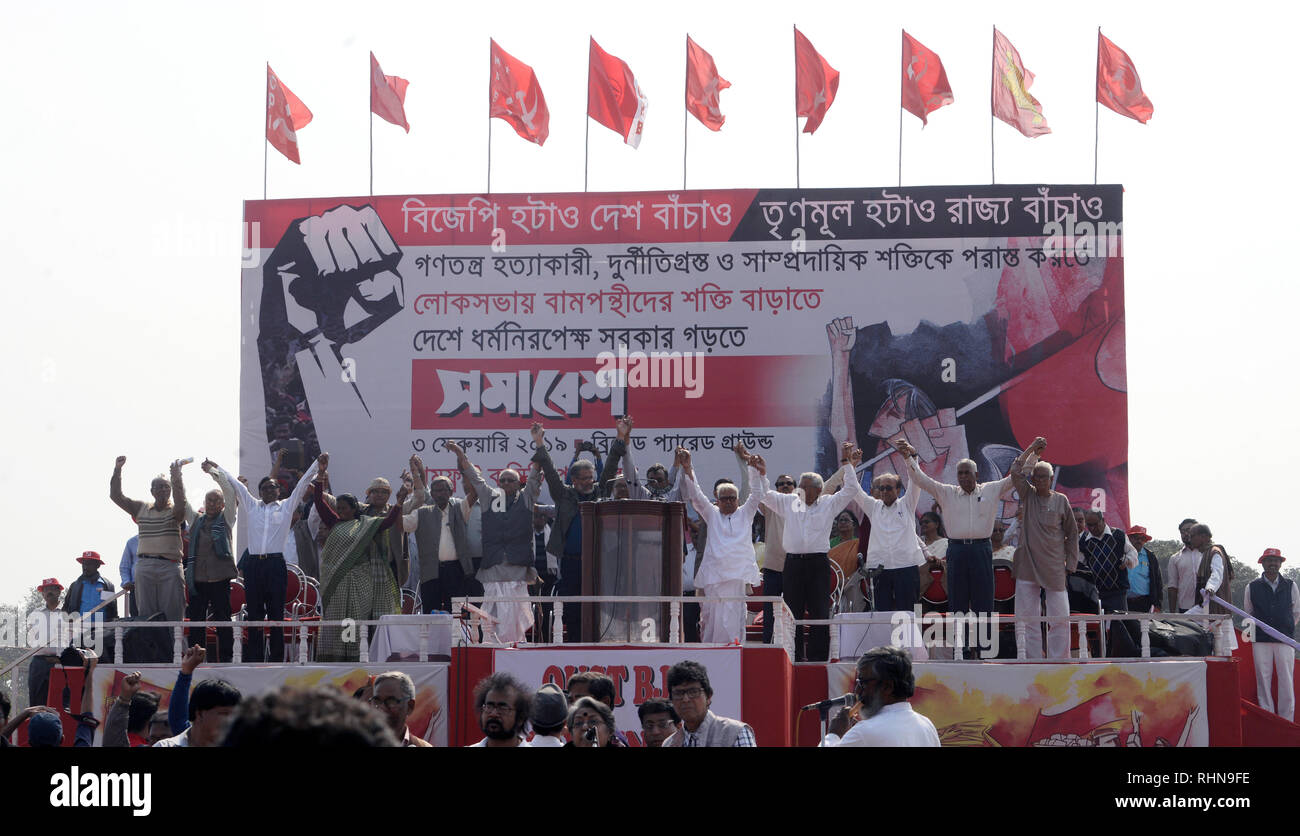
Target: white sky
[132, 133]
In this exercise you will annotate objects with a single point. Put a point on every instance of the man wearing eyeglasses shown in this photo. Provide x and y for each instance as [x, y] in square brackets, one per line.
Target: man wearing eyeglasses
[691, 695]
[893, 545]
[394, 698]
[502, 704]
[883, 716]
[728, 566]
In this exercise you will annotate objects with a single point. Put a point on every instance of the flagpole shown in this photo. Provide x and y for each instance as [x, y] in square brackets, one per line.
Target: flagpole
[686, 113]
[796, 105]
[489, 160]
[900, 117]
[370, 72]
[586, 136]
[993, 171]
[1096, 114]
[265, 140]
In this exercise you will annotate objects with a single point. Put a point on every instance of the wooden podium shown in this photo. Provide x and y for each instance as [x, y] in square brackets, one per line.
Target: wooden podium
[630, 547]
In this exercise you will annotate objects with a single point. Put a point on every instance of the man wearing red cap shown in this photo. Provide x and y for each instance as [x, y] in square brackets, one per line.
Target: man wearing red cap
[90, 590]
[1144, 588]
[45, 629]
[1273, 600]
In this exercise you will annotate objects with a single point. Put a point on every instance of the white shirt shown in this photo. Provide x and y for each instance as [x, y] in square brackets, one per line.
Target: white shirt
[49, 630]
[729, 546]
[1130, 553]
[894, 725]
[808, 527]
[893, 531]
[1182, 574]
[1006, 553]
[966, 516]
[523, 744]
[267, 524]
[182, 739]
[546, 741]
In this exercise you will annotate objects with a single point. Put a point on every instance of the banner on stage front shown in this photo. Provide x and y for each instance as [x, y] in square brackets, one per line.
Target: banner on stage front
[639, 674]
[428, 720]
[964, 319]
[1099, 704]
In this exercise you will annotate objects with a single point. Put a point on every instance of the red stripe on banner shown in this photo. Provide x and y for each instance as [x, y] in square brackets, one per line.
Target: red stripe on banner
[501, 220]
[681, 390]
[1223, 702]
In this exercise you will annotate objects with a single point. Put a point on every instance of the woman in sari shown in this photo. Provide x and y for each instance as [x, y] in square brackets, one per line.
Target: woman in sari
[844, 543]
[355, 579]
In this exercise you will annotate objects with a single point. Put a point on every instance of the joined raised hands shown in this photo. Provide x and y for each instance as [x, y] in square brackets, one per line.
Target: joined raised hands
[756, 462]
[538, 432]
[624, 427]
[323, 462]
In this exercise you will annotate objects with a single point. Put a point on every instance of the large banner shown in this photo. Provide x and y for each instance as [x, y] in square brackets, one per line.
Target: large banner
[1100, 704]
[967, 320]
[639, 675]
[428, 720]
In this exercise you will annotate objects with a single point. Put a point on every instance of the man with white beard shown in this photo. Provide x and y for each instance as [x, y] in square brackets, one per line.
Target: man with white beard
[883, 716]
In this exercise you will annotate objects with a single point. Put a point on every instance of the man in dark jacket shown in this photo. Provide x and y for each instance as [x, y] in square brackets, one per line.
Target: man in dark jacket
[1145, 589]
[88, 592]
[566, 533]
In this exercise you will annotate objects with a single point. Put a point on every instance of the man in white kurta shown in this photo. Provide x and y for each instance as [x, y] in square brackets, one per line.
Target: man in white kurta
[729, 563]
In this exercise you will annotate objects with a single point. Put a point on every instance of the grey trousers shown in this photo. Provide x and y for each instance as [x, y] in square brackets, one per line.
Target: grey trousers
[160, 587]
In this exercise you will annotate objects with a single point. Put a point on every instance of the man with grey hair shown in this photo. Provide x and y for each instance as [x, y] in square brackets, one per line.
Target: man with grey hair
[883, 716]
[507, 527]
[394, 697]
[442, 541]
[969, 509]
[893, 546]
[728, 565]
[1049, 548]
[566, 534]
[807, 517]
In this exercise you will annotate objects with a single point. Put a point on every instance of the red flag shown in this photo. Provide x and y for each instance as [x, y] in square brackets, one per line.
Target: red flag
[1118, 85]
[387, 95]
[925, 84]
[815, 83]
[613, 97]
[1011, 81]
[703, 84]
[516, 96]
[285, 116]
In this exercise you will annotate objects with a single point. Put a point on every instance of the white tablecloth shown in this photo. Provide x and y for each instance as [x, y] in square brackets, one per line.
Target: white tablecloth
[397, 638]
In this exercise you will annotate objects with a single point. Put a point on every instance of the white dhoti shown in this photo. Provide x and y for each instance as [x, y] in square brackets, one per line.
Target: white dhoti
[1270, 657]
[514, 618]
[722, 622]
[1028, 606]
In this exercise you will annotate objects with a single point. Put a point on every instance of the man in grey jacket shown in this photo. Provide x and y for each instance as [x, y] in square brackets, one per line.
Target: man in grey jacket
[441, 540]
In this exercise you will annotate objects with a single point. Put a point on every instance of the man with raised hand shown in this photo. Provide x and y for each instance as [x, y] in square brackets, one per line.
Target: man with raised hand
[728, 567]
[893, 545]
[1049, 549]
[807, 516]
[441, 541]
[566, 534]
[969, 509]
[159, 580]
[267, 521]
[507, 569]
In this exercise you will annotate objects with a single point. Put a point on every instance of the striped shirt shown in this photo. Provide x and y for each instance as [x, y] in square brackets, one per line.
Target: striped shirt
[160, 532]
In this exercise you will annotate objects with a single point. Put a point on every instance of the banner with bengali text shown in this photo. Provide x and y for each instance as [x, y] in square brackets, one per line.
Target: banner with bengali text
[966, 319]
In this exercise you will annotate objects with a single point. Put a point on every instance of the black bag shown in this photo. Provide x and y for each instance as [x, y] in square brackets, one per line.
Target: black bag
[1176, 637]
[1083, 594]
[146, 644]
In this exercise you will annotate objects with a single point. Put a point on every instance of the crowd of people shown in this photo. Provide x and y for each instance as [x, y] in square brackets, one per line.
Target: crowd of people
[782, 537]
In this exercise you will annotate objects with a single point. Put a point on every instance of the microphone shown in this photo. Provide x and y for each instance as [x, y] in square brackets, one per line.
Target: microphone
[590, 734]
[845, 701]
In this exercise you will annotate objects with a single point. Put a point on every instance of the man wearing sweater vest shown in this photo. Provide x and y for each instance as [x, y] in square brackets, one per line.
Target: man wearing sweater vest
[1272, 600]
